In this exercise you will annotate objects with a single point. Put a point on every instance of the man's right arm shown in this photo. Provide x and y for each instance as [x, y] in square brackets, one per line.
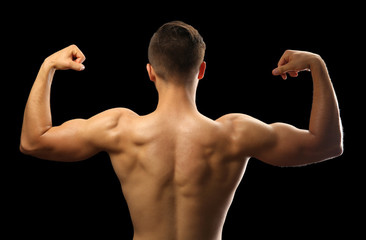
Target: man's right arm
[285, 145]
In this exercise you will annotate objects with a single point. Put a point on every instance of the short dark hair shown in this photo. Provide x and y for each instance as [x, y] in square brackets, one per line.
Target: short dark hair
[176, 49]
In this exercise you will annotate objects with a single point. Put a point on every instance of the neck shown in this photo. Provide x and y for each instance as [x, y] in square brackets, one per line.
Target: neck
[175, 98]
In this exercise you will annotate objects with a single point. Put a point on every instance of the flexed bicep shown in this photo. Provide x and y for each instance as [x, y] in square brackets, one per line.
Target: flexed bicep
[291, 147]
[277, 144]
[67, 142]
[79, 139]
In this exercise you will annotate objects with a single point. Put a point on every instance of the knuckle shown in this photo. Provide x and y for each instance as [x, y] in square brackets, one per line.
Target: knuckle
[289, 51]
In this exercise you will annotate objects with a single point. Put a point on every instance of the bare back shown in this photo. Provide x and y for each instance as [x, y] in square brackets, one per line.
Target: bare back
[177, 176]
[178, 169]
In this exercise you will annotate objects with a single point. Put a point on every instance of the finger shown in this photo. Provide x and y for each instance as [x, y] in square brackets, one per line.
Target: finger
[276, 72]
[293, 73]
[77, 54]
[74, 65]
[79, 57]
[283, 69]
[280, 70]
[285, 58]
[283, 61]
[284, 76]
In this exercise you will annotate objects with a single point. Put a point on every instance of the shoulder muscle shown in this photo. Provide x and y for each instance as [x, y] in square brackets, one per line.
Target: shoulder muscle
[104, 129]
[248, 135]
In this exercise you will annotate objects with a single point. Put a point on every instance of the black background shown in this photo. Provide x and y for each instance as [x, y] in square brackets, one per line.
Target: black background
[84, 199]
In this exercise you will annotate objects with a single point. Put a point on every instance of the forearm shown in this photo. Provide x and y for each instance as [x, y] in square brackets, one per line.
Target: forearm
[37, 115]
[325, 123]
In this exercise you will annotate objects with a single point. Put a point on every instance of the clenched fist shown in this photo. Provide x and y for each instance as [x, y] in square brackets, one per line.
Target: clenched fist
[292, 62]
[68, 58]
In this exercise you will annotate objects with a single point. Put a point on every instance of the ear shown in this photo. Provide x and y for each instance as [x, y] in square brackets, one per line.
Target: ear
[201, 73]
[151, 72]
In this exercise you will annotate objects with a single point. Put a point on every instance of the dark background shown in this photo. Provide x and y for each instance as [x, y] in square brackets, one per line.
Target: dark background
[84, 199]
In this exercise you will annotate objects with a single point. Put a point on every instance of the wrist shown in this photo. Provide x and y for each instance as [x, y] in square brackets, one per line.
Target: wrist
[49, 64]
[318, 69]
[47, 69]
[316, 62]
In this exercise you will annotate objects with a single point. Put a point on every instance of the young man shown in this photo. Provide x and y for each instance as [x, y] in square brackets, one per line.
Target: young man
[179, 169]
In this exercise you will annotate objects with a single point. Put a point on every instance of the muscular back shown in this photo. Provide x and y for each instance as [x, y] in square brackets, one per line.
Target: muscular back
[178, 169]
[177, 174]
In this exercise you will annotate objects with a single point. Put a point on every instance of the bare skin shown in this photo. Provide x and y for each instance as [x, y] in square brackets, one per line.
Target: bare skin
[179, 169]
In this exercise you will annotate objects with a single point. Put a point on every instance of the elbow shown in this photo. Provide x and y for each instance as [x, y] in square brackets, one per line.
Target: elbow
[329, 146]
[333, 150]
[29, 148]
[22, 149]
[337, 150]
[322, 152]
[337, 146]
[26, 149]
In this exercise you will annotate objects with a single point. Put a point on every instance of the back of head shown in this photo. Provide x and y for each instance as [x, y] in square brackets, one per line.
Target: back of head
[176, 51]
